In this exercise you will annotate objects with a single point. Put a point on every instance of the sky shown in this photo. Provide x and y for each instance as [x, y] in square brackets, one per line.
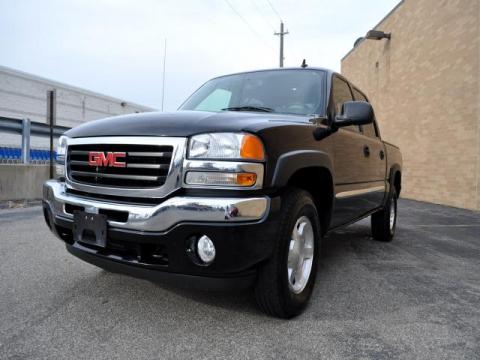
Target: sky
[116, 47]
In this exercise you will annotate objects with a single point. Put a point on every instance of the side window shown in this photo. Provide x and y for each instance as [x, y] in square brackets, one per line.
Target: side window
[358, 95]
[215, 101]
[368, 130]
[341, 94]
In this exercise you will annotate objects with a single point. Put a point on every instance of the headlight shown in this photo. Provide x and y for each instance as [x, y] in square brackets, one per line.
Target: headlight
[61, 149]
[227, 146]
[60, 160]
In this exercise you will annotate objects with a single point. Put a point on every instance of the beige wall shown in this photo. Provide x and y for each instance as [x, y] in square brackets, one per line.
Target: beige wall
[424, 86]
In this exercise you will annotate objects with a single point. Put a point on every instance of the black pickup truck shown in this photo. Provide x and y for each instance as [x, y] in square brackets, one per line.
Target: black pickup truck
[234, 190]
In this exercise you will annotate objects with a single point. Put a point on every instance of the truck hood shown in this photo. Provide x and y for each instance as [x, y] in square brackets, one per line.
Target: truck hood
[182, 123]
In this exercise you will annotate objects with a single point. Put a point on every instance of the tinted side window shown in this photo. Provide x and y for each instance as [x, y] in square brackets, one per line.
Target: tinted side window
[359, 96]
[341, 94]
[368, 130]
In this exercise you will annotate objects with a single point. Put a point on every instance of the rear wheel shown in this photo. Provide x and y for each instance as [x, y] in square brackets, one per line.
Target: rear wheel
[384, 222]
[286, 281]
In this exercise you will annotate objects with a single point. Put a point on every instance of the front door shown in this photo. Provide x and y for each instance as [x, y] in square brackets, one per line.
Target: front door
[349, 160]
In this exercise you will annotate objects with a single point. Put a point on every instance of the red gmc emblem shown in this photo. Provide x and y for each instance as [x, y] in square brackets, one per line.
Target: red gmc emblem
[99, 158]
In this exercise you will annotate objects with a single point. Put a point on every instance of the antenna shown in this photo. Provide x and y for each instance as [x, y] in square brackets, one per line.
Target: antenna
[304, 64]
[163, 78]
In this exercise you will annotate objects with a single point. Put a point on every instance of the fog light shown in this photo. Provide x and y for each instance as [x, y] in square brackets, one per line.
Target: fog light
[206, 249]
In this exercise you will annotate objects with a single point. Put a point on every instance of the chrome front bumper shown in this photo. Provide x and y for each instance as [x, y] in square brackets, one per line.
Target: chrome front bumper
[163, 216]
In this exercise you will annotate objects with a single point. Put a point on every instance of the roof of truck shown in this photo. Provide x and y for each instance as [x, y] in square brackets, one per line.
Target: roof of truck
[328, 71]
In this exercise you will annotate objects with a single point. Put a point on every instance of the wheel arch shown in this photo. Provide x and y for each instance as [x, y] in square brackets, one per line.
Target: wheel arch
[395, 178]
[310, 171]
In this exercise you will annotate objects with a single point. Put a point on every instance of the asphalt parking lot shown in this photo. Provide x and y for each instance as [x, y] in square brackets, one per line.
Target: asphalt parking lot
[417, 297]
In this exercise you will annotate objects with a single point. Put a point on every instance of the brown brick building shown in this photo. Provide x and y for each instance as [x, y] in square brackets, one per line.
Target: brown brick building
[424, 84]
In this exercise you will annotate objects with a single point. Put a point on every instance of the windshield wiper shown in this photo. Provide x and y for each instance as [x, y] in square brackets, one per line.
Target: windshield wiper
[248, 108]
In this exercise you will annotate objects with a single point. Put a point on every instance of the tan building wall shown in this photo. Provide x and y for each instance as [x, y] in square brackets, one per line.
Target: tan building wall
[424, 84]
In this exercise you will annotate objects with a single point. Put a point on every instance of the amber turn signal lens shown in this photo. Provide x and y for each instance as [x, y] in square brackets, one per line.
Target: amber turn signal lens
[252, 148]
[211, 178]
[246, 179]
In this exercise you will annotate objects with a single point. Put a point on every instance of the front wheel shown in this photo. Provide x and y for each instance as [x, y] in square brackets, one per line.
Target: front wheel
[384, 221]
[285, 282]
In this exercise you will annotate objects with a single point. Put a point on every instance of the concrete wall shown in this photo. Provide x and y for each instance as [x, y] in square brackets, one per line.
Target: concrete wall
[25, 95]
[22, 182]
[424, 86]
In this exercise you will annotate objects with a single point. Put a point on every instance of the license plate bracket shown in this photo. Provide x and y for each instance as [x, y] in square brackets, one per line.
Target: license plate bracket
[90, 228]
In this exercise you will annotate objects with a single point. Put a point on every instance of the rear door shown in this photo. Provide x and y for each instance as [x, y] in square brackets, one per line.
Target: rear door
[375, 160]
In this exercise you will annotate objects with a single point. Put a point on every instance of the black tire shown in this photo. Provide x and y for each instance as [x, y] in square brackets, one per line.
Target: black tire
[382, 230]
[272, 290]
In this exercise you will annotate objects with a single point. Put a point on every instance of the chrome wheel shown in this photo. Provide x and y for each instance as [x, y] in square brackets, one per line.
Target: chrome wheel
[300, 254]
[393, 214]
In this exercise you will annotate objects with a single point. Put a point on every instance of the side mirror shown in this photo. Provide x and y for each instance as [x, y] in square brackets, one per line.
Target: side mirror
[355, 113]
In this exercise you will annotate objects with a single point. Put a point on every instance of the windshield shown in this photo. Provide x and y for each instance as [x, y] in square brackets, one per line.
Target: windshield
[286, 92]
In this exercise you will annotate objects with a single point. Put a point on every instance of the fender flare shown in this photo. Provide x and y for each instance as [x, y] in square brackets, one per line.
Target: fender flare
[391, 176]
[289, 163]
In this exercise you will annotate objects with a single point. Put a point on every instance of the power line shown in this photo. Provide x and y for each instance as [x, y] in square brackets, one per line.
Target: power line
[247, 23]
[262, 14]
[274, 10]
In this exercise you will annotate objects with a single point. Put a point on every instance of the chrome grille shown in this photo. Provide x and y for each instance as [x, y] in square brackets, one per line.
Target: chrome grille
[146, 165]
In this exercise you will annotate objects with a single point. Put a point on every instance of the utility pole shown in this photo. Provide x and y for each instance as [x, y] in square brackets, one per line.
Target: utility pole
[281, 34]
[51, 118]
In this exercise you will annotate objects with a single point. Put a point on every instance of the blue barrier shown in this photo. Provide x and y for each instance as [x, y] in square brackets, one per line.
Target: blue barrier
[8, 154]
[26, 128]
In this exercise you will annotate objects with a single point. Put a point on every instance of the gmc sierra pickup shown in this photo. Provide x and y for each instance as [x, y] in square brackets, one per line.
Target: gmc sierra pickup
[234, 190]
